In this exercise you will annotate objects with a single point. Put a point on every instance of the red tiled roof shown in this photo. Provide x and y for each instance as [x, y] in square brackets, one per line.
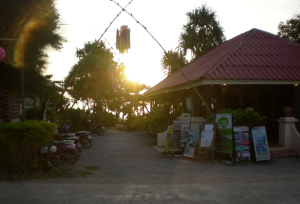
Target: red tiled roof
[253, 55]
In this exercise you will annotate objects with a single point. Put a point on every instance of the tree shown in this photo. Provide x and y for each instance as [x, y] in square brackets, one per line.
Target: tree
[291, 29]
[89, 80]
[201, 33]
[168, 65]
[35, 25]
[90, 75]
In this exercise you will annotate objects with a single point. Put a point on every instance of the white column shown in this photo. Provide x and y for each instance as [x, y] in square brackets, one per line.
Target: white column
[286, 130]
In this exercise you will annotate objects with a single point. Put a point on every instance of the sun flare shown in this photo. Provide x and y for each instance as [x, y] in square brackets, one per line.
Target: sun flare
[132, 74]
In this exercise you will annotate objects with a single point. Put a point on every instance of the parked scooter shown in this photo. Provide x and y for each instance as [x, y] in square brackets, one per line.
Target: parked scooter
[85, 138]
[71, 137]
[66, 151]
[98, 129]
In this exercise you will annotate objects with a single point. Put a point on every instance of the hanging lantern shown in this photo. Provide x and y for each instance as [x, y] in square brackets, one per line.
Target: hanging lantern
[2, 54]
[123, 39]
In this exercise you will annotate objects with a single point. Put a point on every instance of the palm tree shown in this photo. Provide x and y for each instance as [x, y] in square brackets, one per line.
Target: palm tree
[201, 33]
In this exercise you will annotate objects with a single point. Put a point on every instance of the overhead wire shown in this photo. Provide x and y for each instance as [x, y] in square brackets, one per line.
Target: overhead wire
[201, 98]
[81, 64]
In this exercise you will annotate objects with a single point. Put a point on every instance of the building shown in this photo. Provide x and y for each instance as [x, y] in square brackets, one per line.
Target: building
[255, 69]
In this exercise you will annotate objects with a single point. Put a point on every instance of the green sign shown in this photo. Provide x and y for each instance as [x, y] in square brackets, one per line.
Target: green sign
[224, 121]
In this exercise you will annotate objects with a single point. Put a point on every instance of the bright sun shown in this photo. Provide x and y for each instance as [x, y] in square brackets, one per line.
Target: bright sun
[132, 74]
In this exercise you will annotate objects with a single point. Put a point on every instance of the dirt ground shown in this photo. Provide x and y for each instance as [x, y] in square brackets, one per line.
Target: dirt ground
[128, 157]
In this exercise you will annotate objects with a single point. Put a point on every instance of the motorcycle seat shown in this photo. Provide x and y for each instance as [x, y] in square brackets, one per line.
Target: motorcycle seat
[81, 133]
[61, 142]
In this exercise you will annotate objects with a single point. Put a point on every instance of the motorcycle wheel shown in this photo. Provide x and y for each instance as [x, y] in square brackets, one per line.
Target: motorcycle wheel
[73, 157]
[86, 143]
[101, 132]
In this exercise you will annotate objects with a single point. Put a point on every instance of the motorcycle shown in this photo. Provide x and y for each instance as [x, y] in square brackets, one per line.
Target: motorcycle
[85, 138]
[98, 129]
[66, 150]
[71, 137]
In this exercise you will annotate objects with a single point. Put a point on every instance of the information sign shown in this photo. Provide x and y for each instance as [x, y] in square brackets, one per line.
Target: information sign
[185, 127]
[242, 143]
[177, 135]
[190, 146]
[224, 121]
[260, 142]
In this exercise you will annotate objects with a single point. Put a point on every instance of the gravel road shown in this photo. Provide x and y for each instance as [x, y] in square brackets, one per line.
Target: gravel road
[132, 171]
[129, 158]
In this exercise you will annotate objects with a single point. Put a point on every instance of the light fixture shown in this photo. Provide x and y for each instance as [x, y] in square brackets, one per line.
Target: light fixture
[295, 85]
[223, 85]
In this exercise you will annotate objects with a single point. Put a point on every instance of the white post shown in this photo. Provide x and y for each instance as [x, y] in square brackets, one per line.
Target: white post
[286, 130]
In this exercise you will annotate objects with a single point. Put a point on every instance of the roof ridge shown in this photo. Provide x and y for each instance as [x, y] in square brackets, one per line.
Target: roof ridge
[226, 55]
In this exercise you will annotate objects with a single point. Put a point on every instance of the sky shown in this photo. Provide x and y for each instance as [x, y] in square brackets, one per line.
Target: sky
[84, 21]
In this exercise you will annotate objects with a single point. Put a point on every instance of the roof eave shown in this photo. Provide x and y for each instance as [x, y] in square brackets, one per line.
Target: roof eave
[222, 81]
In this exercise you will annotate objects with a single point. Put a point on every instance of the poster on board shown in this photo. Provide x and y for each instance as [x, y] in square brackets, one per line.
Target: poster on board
[177, 135]
[241, 143]
[190, 146]
[260, 143]
[185, 127]
[186, 121]
[169, 140]
[207, 136]
[224, 121]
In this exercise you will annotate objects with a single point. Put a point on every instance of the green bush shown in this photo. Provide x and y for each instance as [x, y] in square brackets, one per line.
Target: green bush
[20, 143]
[76, 117]
[108, 119]
[241, 117]
[134, 122]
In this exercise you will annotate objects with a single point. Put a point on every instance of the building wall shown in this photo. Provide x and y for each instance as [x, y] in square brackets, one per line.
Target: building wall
[9, 106]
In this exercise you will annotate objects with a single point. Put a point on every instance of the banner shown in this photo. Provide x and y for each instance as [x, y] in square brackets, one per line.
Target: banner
[260, 142]
[177, 135]
[190, 146]
[224, 121]
[169, 140]
[242, 143]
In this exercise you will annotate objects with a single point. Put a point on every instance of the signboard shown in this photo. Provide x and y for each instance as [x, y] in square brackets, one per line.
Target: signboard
[169, 140]
[177, 135]
[224, 121]
[207, 136]
[242, 143]
[260, 142]
[185, 127]
[191, 143]
[186, 121]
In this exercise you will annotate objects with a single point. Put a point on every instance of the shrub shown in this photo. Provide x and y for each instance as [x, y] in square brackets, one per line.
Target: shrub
[109, 120]
[241, 117]
[20, 143]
